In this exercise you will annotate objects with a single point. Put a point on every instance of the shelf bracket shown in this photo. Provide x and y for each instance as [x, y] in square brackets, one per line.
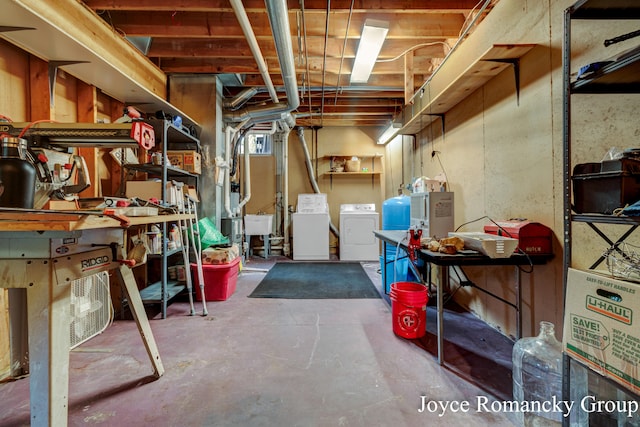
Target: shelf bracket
[53, 72]
[515, 62]
[7, 28]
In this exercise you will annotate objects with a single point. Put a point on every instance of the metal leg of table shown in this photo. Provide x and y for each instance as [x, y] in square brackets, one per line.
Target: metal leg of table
[384, 268]
[140, 316]
[444, 278]
[518, 304]
[49, 310]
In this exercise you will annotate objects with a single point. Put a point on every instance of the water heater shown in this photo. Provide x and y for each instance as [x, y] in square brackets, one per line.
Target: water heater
[433, 213]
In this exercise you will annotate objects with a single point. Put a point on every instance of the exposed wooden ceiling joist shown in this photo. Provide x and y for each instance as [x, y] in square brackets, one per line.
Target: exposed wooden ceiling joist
[204, 37]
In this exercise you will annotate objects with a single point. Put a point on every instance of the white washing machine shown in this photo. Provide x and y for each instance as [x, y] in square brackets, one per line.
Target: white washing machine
[311, 228]
[357, 224]
[310, 236]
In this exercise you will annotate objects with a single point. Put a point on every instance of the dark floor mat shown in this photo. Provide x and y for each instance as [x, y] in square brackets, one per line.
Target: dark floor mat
[316, 280]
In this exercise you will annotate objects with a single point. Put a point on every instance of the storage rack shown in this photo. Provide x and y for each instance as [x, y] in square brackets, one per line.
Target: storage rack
[619, 76]
[168, 136]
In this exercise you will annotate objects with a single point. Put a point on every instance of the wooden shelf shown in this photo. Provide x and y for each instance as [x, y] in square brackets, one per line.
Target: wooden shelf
[52, 33]
[360, 156]
[487, 66]
[353, 173]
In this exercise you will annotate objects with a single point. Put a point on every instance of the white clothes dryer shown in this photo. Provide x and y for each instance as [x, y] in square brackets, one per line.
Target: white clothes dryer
[357, 224]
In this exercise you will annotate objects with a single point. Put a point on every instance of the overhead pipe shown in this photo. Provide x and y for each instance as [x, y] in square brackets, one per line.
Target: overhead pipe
[229, 134]
[277, 11]
[312, 178]
[240, 99]
[285, 191]
[247, 176]
[243, 19]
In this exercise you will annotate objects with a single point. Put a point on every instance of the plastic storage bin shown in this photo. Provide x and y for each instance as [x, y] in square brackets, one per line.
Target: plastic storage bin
[219, 280]
[603, 192]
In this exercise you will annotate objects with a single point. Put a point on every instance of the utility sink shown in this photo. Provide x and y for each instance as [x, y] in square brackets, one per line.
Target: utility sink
[258, 225]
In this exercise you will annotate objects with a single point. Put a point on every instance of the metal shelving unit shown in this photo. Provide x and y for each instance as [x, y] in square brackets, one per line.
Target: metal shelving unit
[622, 75]
[168, 136]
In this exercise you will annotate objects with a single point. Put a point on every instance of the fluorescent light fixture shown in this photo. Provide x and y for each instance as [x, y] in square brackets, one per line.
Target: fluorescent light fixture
[389, 133]
[373, 35]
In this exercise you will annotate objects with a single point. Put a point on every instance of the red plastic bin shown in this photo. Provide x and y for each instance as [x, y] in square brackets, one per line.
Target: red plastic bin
[219, 280]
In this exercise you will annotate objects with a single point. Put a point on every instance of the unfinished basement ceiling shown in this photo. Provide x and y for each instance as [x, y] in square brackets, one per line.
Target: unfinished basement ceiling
[204, 37]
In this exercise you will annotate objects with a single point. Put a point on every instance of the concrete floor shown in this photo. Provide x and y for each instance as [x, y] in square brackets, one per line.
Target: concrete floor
[267, 362]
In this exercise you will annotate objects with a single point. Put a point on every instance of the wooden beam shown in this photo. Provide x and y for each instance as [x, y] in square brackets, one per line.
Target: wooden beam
[349, 111]
[383, 81]
[318, 120]
[408, 77]
[87, 112]
[172, 47]
[424, 6]
[39, 91]
[225, 24]
[248, 66]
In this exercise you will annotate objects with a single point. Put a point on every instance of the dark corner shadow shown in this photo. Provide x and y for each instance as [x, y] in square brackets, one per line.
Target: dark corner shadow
[478, 369]
[472, 350]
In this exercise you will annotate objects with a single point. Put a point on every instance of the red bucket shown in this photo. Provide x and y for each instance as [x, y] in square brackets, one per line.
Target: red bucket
[409, 309]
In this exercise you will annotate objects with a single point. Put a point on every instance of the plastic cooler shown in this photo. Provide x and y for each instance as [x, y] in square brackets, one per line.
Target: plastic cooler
[219, 280]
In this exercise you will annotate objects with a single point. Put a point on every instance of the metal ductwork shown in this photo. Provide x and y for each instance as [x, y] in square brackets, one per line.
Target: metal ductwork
[278, 14]
[240, 99]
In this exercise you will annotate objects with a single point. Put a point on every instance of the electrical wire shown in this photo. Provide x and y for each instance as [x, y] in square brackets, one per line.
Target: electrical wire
[412, 48]
[520, 251]
[464, 24]
[344, 48]
[23, 131]
[436, 154]
[324, 60]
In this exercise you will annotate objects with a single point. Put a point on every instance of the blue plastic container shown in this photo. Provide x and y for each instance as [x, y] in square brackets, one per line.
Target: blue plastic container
[396, 214]
[402, 272]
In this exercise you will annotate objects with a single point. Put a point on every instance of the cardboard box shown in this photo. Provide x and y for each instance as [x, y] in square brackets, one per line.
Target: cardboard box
[598, 325]
[220, 255]
[146, 190]
[190, 161]
[533, 237]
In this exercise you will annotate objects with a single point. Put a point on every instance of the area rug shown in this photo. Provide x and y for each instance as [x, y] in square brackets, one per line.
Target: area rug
[316, 280]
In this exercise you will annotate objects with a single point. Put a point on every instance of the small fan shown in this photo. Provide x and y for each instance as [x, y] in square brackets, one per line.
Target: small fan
[90, 307]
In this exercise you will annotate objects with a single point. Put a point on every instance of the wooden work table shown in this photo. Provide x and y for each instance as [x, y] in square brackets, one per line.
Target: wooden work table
[44, 252]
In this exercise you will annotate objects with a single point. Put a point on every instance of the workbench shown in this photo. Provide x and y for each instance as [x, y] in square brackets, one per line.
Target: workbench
[44, 252]
[468, 258]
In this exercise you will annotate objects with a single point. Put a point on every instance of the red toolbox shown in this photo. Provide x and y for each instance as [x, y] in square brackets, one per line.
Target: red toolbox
[533, 237]
[219, 280]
